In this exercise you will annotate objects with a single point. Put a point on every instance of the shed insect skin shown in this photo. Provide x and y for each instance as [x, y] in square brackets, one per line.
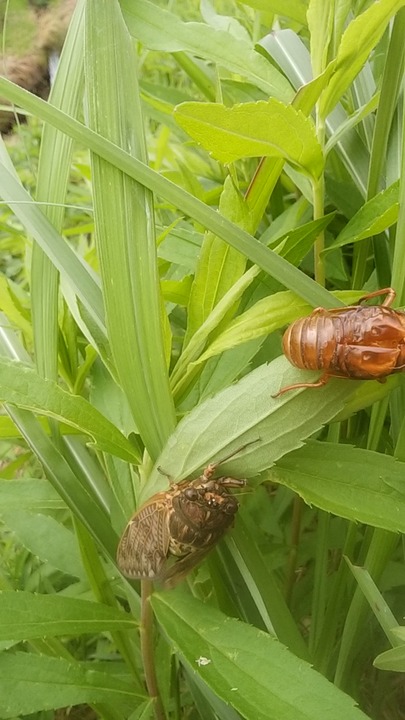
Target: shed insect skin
[175, 529]
[358, 342]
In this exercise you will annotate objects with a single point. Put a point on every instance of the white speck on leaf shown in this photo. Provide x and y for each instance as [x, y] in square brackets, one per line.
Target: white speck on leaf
[202, 661]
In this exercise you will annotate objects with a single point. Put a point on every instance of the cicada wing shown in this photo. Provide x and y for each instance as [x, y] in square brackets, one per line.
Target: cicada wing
[170, 576]
[144, 544]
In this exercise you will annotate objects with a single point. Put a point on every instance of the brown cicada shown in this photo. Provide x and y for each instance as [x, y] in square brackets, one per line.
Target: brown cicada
[176, 529]
[364, 343]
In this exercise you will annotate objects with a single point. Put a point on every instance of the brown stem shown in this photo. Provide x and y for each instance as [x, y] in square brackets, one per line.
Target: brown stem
[146, 632]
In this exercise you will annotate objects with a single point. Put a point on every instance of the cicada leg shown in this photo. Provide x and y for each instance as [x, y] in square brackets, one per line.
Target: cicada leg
[210, 469]
[322, 381]
[389, 292]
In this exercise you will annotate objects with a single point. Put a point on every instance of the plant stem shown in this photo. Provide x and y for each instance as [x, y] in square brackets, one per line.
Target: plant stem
[319, 265]
[319, 199]
[146, 632]
[292, 558]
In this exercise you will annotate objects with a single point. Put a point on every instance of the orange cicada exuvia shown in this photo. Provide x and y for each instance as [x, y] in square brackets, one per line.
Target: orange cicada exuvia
[360, 342]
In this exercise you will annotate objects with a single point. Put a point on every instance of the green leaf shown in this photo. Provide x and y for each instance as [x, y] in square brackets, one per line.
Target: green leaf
[159, 29]
[35, 494]
[377, 603]
[22, 386]
[47, 539]
[274, 426]
[375, 216]
[24, 616]
[245, 667]
[177, 291]
[257, 129]
[352, 483]
[125, 235]
[52, 181]
[219, 266]
[393, 660]
[30, 683]
[269, 261]
[295, 244]
[357, 42]
[320, 17]
[11, 306]
[86, 502]
[61, 254]
[294, 9]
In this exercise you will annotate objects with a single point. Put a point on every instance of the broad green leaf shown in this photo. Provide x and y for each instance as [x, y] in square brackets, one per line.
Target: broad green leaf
[393, 660]
[274, 426]
[358, 40]
[223, 22]
[22, 386]
[159, 29]
[294, 9]
[34, 494]
[177, 291]
[45, 538]
[246, 667]
[264, 317]
[376, 215]
[24, 616]
[30, 683]
[320, 18]
[289, 51]
[269, 261]
[347, 481]
[125, 235]
[269, 129]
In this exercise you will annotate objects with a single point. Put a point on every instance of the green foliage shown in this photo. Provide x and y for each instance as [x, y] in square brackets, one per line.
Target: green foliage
[149, 264]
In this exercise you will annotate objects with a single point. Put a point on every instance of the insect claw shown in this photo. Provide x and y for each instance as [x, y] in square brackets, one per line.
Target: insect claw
[163, 472]
[388, 291]
[322, 381]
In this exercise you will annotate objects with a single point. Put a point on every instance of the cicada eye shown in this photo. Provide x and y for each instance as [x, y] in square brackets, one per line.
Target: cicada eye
[230, 506]
[191, 494]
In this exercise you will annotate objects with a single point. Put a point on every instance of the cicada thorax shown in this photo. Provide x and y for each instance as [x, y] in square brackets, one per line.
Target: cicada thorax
[202, 511]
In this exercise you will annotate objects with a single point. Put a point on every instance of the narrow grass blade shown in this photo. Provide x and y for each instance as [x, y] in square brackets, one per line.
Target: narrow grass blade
[124, 227]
